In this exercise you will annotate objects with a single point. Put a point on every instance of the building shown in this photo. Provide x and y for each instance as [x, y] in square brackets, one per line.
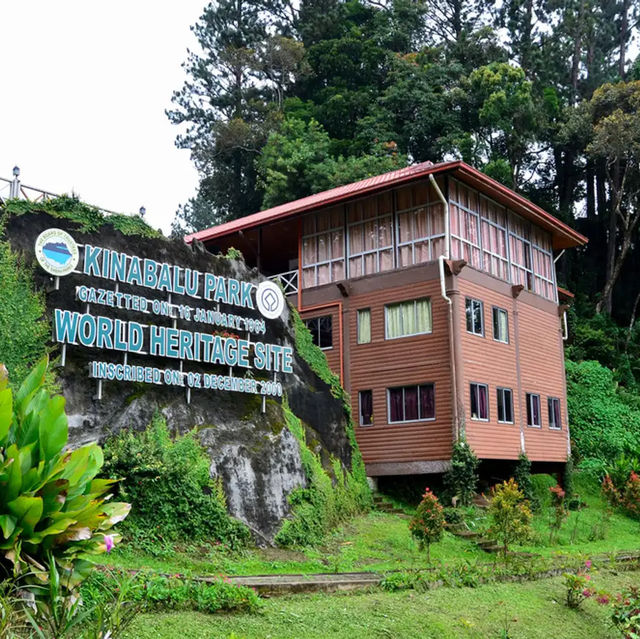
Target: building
[432, 290]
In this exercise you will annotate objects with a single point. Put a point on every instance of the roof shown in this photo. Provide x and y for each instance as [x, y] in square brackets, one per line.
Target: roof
[563, 235]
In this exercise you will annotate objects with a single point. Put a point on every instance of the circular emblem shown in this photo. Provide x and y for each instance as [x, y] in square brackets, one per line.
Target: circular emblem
[57, 252]
[270, 300]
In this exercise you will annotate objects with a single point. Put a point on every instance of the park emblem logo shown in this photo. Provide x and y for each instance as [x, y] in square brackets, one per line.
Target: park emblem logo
[57, 252]
[270, 300]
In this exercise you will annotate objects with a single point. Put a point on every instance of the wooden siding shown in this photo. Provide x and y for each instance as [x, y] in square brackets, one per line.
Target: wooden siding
[542, 371]
[404, 361]
[487, 361]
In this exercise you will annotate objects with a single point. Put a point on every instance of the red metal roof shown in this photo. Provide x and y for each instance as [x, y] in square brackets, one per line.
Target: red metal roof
[563, 235]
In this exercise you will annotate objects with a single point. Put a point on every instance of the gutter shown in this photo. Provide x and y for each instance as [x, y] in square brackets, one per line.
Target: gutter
[448, 300]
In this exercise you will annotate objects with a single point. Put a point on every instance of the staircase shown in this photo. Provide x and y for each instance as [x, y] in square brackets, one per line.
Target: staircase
[383, 505]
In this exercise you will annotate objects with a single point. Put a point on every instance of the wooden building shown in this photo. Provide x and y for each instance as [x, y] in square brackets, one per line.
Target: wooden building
[432, 291]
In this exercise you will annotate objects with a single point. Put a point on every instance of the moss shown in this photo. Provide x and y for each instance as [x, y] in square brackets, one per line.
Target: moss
[330, 497]
[89, 218]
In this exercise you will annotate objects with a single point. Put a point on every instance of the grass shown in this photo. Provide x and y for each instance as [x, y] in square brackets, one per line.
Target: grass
[534, 610]
[381, 542]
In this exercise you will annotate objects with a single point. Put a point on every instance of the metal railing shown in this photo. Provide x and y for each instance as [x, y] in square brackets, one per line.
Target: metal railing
[15, 190]
[288, 281]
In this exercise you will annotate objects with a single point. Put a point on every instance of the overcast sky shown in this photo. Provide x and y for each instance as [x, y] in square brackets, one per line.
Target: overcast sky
[82, 97]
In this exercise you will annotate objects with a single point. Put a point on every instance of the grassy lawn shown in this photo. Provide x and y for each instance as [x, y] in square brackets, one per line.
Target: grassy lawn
[534, 610]
[380, 542]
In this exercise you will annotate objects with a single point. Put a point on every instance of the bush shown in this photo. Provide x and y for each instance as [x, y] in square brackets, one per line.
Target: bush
[540, 487]
[453, 516]
[167, 481]
[510, 515]
[578, 588]
[427, 524]
[54, 514]
[604, 425]
[626, 613]
[567, 479]
[461, 480]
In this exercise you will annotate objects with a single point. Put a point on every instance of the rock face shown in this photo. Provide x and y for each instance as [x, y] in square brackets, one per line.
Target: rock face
[253, 451]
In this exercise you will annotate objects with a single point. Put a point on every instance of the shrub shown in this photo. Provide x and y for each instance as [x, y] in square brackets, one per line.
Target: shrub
[626, 613]
[461, 480]
[522, 476]
[54, 514]
[540, 485]
[578, 588]
[427, 524]
[453, 516]
[510, 515]
[559, 512]
[167, 481]
[567, 479]
[631, 497]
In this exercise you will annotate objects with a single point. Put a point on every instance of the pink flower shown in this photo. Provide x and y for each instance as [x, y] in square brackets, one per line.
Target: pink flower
[588, 564]
[108, 542]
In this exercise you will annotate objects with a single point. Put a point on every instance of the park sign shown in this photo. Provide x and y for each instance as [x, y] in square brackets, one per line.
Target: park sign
[219, 325]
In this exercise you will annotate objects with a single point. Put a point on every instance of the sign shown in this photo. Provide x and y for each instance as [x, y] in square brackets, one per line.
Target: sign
[217, 328]
[57, 252]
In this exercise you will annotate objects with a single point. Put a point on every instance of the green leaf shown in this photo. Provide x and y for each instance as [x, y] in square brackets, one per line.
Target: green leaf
[4, 377]
[6, 412]
[53, 430]
[28, 511]
[7, 524]
[31, 384]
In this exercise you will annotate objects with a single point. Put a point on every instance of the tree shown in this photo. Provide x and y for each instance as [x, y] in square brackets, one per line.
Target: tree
[462, 478]
[427, 524]
[616, 140]
[510, 515]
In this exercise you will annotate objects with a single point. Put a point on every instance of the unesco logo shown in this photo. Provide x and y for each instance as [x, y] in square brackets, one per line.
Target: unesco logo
[270, 300]
[57, 252]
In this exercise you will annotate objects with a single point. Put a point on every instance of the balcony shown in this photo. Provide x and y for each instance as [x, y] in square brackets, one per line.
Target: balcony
[288, 281]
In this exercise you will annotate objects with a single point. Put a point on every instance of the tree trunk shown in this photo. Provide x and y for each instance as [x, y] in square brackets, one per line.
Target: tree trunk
[632, 321]
[590, 186]
[624, 28]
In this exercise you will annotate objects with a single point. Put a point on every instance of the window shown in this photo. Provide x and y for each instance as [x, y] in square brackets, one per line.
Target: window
[407, 318]
[553, 404]
[364, 326]
[411, 403]
[420, 233]
[321, 331]
[475, 316]
[505, 405]
[323, 248]
[365, 401]
[479, 401]
[500, 325]
[533, 410]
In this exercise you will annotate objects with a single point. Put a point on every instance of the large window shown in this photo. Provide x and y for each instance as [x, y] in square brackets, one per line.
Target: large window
[407, 318]
[533, 410]
[479, 401]
[520, 251]
[365, 403]
[364, 325]
[411, 403]
[321, 330]
[500, 325]
[323, 248]
[465, 224]
[505, 405]
[475, 316]
[420, 233]
[370, 235]
[553, 404]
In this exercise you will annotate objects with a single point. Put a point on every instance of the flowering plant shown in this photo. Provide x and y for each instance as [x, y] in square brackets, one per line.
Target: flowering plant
[559, 511]
[428, 523]
[626, 613]
[578, 588]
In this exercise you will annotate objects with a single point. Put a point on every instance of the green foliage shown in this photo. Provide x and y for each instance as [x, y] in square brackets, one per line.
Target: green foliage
[567, 479]
[461, 479]
[89, 218]
[317, 361]
[233, 254]
[167, 481]
[173, 593]
[540, 490]
[578, 588]
[510, 515]
[522, 475]
[328, 499]
[53, 509]
[427, 525]
[626, 613]
[603, 425]
[24, 332]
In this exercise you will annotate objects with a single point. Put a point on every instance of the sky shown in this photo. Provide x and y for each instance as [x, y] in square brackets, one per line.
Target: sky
[83, 94]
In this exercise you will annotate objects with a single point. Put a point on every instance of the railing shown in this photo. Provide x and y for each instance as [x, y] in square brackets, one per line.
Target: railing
[15, 189]
[288, 281]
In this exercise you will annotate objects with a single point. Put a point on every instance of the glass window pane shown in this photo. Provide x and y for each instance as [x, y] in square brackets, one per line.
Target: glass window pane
[423, 313]
[410, 403]
[364, 326]
[508, 401]
[395, 405]
[427, 402]
[366, 408]
[325, 332]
